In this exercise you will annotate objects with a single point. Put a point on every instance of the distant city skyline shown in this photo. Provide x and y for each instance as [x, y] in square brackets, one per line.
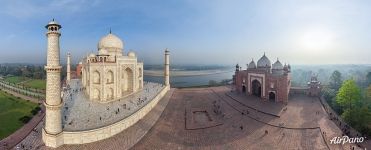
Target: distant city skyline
[195, 31]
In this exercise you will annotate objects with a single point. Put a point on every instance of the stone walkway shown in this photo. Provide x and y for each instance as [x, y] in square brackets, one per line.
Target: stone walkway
[13, 88]
[80, 113]
[32, 99]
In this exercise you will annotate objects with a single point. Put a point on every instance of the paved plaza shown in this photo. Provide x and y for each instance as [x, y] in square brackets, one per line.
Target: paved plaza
[79, 113]
[216, 118]
[302, 124]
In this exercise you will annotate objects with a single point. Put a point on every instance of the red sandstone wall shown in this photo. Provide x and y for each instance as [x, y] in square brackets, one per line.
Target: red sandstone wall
[78, 71]
[281, 84]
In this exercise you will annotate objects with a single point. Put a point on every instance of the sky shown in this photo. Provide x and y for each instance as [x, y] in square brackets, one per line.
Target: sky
[197, 32]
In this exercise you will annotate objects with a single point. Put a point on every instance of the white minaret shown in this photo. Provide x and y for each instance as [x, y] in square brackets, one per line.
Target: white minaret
[166, 69]
[52, 130]
[68, 68]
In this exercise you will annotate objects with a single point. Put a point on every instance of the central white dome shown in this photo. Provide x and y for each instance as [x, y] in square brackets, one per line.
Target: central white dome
[110, 41]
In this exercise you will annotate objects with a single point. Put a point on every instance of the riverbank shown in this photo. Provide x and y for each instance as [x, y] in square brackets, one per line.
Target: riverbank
[182, 73]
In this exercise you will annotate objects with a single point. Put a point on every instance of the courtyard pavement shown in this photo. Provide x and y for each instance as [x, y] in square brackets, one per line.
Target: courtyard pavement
[218, 121]
[302, 124]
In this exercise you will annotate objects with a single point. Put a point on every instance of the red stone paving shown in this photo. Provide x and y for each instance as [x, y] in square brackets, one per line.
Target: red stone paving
[304, 124]
[298, 127]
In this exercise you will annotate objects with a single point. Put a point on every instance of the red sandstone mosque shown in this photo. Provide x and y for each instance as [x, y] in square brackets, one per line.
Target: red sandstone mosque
[263, 79]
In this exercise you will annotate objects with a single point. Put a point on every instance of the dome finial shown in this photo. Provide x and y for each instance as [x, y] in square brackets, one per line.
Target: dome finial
[110, 31]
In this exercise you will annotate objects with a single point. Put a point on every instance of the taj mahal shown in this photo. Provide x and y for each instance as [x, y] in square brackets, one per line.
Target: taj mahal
[110, 74]
[110, 96]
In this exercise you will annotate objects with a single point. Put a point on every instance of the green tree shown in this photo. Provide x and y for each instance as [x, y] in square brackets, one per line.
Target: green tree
[212, 83]
[330, 96]
[335, 80]
[349, 94]
[368, 78]
[368, 96]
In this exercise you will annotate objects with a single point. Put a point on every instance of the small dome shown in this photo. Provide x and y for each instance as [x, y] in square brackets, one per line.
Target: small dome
[110, 41]
[277, 65]
[251, 65]
[264, 62]
[131, 54]
[92, 55]
[53, 22]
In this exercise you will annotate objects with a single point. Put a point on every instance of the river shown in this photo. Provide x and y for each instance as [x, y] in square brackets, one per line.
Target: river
[187, 81]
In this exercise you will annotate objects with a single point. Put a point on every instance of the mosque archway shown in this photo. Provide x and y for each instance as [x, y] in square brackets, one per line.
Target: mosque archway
[272, 96]
[243, 89]
[256, 88]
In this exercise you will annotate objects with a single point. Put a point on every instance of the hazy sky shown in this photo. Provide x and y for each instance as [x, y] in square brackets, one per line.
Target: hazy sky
[195, 31]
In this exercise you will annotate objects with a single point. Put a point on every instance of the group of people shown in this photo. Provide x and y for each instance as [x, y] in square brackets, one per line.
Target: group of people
[109, 111]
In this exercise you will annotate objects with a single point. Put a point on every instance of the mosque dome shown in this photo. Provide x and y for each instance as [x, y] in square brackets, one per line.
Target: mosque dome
[131, 54]
[251, 65]
[277, 65]
[264, 62]
[110, 41]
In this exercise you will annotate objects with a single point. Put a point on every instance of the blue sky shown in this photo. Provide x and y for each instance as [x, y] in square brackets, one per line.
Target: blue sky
[195, 31]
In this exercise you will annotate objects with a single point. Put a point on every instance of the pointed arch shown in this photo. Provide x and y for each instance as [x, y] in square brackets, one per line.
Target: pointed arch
[110, 93]
[96, 77]
[127, 85]
[256, 88]
[96, 94]
[110, 77]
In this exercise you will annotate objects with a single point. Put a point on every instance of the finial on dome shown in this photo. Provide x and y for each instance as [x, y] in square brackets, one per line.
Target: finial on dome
[264, 54]
[110, 31]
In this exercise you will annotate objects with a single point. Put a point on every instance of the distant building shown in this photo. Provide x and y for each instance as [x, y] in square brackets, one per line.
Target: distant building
[314, 86]
[270, 82]
[110, 74]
